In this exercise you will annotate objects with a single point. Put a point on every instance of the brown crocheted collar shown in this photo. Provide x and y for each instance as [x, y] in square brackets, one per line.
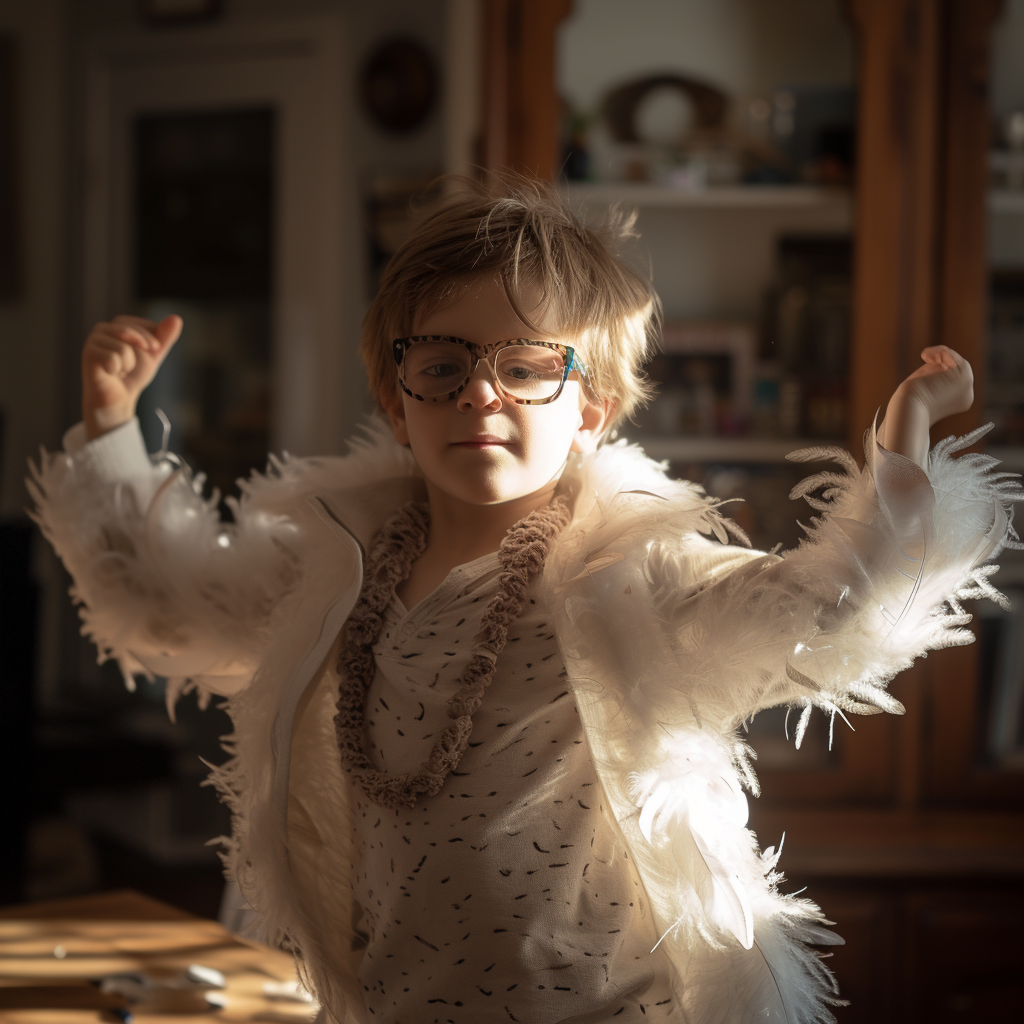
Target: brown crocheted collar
[403, 539]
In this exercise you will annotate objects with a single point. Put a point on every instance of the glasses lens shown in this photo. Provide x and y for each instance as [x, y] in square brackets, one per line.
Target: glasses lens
[435, 368]
[530, 371]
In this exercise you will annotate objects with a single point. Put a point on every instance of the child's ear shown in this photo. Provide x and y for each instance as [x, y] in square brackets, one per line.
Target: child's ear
[395, 409]
[595, 415]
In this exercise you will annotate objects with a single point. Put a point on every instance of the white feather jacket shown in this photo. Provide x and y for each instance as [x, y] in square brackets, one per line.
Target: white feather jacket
[671, 636]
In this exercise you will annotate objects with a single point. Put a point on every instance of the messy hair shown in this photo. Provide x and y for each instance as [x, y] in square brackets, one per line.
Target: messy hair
[521, 231]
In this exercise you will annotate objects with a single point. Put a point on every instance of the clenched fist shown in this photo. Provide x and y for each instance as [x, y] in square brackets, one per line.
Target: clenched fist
[119, 360]
[941, 386]
[944, 384]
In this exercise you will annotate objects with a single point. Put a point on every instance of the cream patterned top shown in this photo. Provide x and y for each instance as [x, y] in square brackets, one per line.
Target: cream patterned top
[509, 895]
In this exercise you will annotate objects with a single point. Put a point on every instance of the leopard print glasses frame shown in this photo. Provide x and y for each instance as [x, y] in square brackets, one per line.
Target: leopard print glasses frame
[489, 353]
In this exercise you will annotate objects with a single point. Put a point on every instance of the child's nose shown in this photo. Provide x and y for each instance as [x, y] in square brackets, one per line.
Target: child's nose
[481, 391]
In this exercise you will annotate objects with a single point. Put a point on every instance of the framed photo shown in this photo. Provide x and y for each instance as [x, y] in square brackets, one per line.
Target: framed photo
[706, 374]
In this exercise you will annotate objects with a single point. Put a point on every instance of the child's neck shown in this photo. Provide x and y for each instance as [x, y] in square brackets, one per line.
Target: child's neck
[461, 533]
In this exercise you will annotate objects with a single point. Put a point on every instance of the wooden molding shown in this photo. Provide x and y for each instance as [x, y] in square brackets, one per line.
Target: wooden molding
[953, 771]
[921, 278]
[896, 231]
[963, 270]
[521, 103]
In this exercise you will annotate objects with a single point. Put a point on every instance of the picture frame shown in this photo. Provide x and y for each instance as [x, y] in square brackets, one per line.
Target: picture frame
[707, 368]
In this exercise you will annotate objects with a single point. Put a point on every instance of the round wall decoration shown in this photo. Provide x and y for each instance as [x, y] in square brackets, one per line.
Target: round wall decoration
[621, 105]
[398, 84]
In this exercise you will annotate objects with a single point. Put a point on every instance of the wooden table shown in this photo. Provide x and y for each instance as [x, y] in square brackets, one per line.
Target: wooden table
[50, 953]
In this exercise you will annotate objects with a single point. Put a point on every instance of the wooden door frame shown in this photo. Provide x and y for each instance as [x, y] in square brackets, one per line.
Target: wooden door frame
[521, 106]
[921, 278]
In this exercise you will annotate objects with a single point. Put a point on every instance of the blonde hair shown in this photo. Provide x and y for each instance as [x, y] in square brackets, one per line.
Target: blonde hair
[522, 231]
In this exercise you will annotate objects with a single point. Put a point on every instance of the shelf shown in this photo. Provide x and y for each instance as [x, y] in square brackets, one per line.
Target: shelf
[1001, 200]
[737, 197]
[725, 449]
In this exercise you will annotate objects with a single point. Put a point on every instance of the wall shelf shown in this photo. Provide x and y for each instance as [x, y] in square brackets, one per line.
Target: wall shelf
[726, 197]
[1002, 200]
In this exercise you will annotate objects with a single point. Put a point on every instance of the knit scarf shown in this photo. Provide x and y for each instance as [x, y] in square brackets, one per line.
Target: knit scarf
[402, 540]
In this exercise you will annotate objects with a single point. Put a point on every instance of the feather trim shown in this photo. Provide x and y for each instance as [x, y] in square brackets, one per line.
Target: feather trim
[878, 580]
[163, 586]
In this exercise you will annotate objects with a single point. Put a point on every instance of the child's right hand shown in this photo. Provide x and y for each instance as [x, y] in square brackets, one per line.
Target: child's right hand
[119, 360]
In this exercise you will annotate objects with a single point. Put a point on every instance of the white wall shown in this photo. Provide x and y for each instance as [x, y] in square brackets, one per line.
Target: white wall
[746, 47]
[707, 263]
[32, 370]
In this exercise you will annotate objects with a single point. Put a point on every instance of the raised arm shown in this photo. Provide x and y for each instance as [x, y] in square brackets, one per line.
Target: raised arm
[164, 587]
[876, 583]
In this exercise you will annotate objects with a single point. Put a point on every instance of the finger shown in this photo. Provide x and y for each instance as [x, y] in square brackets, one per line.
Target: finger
[140, 324]
[168, 330]
[114, 356]
[135, 321]
[137, 336]
[940, 355]
[113, 362]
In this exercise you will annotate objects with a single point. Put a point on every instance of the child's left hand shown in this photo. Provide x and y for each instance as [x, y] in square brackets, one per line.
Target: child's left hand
[944, 385]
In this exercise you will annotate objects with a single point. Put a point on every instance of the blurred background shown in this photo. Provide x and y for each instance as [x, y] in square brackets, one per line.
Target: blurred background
[823, 188]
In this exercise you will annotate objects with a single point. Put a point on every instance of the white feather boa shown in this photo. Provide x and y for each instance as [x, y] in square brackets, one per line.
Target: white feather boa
[671, 636]
[165, 587]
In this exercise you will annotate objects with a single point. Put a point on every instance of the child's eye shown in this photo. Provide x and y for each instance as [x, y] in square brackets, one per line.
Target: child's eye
[528, 364]
[442, 370]
[520, 372]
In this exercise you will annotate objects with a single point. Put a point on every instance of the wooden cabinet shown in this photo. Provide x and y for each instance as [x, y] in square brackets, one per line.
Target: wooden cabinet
[908, 835]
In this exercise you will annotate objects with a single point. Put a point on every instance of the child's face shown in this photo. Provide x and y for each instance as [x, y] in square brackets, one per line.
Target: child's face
[480, 448]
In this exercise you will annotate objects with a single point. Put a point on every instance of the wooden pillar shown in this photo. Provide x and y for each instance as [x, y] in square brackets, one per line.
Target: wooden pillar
[920, 279]
[521, 104]
[920, 266]
[896, 225]
[950, 748]
[967, 117]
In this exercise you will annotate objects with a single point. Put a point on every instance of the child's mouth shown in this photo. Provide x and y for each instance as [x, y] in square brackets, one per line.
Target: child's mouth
[484, 441]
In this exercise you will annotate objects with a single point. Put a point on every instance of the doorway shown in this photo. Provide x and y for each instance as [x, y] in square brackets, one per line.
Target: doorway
[218, 187]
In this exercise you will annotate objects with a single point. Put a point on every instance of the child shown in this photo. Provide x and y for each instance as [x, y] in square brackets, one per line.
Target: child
[486, 681]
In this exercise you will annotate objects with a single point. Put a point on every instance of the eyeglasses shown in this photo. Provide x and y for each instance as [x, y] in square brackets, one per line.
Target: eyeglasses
[436, 368]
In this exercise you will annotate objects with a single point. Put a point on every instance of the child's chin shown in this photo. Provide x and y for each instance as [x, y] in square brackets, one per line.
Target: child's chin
[490, 493]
